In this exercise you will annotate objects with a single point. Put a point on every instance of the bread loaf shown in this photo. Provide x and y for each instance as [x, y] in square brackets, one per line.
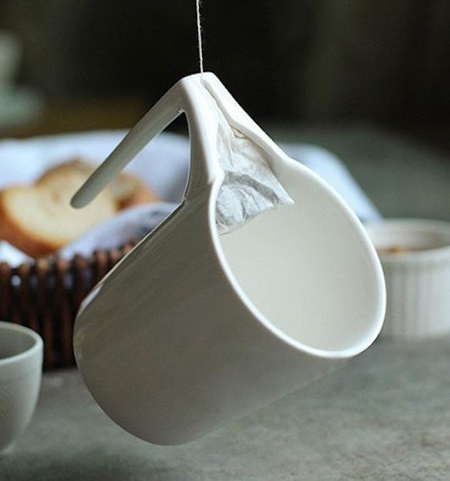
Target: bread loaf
[38, 219]
[126, 189]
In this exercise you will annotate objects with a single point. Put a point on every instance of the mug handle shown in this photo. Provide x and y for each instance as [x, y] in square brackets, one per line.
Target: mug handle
[189, 96]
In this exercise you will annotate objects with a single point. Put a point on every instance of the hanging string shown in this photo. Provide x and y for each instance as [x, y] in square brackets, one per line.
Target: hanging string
[199, 37]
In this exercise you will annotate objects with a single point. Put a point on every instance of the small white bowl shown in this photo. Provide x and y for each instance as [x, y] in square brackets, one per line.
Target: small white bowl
[20, 379]
[415, 255]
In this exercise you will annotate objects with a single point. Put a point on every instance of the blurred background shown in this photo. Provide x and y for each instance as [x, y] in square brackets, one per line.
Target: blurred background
[308, 62]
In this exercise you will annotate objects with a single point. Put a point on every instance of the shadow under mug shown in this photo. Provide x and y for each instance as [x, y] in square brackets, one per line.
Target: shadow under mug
[21, 354]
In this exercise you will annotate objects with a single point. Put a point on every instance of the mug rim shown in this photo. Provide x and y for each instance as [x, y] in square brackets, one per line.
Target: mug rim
[18, 328]
[336, 354]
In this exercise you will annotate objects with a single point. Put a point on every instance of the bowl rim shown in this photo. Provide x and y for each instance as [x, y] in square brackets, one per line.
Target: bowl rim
[409, 225]
[36, 347]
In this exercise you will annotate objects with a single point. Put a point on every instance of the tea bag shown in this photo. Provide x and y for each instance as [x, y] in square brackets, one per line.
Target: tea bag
[249, 187]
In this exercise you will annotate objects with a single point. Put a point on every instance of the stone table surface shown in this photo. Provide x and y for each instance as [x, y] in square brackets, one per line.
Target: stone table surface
[385, 415]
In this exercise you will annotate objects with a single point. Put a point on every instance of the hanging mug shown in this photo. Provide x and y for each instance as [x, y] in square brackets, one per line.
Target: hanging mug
[192, 329]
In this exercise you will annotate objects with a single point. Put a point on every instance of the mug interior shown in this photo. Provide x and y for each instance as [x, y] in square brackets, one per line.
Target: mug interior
[15, 340]
[309, 269]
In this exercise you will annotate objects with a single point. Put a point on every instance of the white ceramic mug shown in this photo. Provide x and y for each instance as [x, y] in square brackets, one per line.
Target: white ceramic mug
[193, 329]
[20, 379]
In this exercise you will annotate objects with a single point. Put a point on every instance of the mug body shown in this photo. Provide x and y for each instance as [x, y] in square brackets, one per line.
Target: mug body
[167, 346]
[21, 354]
[191, 329]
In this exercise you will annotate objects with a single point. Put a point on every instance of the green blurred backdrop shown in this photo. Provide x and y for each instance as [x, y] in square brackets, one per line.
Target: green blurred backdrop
[386, 61]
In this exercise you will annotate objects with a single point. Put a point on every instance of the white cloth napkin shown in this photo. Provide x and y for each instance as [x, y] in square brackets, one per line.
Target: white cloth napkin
[163, 164]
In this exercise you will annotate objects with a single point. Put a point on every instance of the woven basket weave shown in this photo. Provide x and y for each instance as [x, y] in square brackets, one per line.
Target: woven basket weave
[45, 295]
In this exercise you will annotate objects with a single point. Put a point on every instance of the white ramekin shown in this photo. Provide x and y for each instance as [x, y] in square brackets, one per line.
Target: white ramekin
[21, 352]
[417, 276]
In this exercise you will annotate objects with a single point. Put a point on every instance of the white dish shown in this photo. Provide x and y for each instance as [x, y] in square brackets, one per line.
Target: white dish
[19, 106]
[21, 351]
[415, 255]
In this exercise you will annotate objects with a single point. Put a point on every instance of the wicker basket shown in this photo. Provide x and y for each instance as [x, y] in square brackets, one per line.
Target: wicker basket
[45, 295]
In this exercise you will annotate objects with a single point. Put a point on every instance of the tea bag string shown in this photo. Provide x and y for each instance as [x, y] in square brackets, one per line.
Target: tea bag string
[199, 38]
